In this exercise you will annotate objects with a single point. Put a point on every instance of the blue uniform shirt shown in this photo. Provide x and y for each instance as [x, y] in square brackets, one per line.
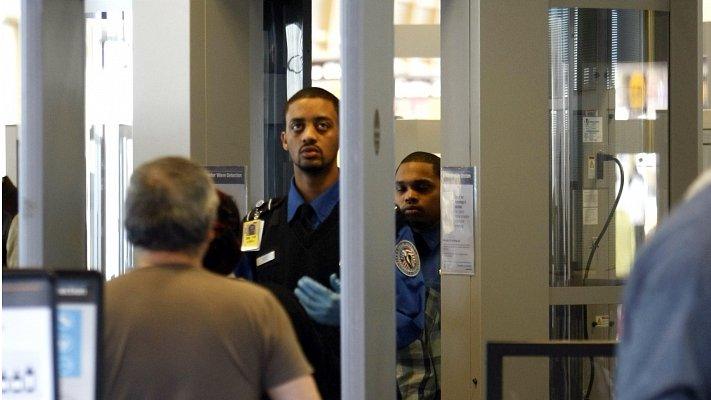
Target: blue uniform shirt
[409, 298]
[427, 242]
[666, 315]
[323, 206]
[409, 291]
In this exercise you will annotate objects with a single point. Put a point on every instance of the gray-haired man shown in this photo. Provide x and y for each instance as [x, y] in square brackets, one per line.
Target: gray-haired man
[175, 330]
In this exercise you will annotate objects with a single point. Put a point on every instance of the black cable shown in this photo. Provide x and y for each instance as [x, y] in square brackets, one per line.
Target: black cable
[604, 157]
[609, 218]
[591, 381]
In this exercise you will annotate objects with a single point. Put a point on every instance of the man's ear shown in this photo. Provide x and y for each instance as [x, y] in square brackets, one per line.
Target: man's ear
[283, 141]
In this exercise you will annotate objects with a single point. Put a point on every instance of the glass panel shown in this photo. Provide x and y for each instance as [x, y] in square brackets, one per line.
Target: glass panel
[417, 12]
[417, 88]
[609, 124]
[609, 139]
[417, 79]
[287, 66]
[588, 322]
[109, 141]
[706, 87]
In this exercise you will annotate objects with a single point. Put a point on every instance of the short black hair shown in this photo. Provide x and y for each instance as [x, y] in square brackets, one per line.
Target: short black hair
[424, 157]
[313, 93]
[224, 250]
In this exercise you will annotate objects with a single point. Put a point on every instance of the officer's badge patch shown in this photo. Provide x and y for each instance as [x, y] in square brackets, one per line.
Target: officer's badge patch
[407, 259]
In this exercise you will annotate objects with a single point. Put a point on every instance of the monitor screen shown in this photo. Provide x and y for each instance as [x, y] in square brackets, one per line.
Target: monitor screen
[28, 352]
[78, 308]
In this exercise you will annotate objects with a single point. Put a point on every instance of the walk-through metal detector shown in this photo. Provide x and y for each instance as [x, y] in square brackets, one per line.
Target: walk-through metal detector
[583, 120]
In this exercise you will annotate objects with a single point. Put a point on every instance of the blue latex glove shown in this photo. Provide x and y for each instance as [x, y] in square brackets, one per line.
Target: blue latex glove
[321, 303]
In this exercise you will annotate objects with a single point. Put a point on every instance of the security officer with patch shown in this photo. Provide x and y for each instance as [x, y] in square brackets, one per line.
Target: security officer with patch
[417, 196]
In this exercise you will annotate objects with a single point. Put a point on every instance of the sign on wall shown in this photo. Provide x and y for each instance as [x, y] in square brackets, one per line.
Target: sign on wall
[458, 205]
[232, 179]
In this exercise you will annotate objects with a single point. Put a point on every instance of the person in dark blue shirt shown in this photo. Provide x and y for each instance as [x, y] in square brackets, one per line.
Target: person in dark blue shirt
[417, 262]
[417, 196]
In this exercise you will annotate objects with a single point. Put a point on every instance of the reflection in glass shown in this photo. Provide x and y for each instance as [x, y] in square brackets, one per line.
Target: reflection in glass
[109, 141]
[287, 68]
[609, 94]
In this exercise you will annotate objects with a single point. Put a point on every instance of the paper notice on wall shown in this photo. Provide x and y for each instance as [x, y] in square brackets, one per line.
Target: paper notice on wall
[592, 129]
[590, 216]
[231, 179]
[458, 205]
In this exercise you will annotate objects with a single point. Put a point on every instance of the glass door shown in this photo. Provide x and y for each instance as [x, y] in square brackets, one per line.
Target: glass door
[609, 126]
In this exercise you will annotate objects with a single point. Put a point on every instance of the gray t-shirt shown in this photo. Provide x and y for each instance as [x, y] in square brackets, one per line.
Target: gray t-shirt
[180, 332]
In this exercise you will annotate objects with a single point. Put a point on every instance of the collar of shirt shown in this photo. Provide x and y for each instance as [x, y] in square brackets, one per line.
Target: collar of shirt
[323, 204]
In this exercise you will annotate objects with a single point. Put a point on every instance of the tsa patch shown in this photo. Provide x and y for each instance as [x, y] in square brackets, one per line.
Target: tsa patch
[407, 259]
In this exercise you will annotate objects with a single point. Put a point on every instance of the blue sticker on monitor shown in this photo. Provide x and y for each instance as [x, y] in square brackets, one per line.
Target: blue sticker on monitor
[69, 342]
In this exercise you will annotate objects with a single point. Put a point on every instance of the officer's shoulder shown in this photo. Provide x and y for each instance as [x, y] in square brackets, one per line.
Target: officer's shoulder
[263, 208]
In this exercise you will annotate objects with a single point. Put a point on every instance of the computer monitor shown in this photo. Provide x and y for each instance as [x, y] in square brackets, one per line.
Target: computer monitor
[28, 336]
[79, 304]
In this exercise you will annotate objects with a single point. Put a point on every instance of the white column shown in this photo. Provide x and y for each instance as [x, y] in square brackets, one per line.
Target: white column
[495, 116]
[52, 161]
[367, 219]
[460, 126]
[161, 79]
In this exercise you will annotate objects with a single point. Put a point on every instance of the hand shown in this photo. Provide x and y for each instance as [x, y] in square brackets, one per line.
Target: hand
[321, 303]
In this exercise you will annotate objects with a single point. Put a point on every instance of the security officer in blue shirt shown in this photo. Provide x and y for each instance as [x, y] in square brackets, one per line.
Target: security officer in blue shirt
[417, 262]
[417, 196]
[409, 286]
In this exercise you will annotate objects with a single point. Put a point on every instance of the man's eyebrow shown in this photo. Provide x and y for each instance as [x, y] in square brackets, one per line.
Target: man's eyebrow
[414, 181]
[297, 119]
[323, 117]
